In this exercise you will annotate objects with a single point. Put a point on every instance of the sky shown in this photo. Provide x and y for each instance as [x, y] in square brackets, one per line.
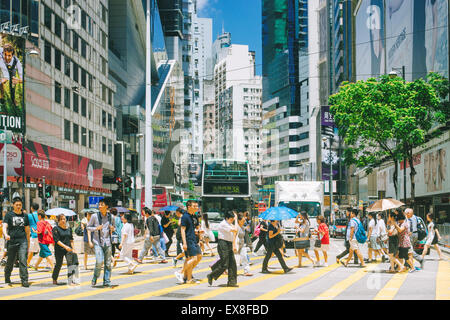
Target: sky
[242, 18]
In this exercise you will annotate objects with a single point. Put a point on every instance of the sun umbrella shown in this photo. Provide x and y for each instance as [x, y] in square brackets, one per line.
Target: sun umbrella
[121, 209]
[278, 213]
[94, 210]
[384, 204]
[58, 211]
[169, 208]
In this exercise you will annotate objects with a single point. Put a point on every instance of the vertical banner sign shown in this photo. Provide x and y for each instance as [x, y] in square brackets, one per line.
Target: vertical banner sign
[195, 169]
[12, 109]
[326, 117]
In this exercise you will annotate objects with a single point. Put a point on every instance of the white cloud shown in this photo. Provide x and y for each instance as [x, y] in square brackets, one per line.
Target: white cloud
[206, 6]
[201, 4]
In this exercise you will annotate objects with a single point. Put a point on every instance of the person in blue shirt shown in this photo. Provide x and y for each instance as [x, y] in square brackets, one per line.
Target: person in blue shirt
[34, 243]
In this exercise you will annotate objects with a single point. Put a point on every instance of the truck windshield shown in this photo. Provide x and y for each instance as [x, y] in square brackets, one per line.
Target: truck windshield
[312, 208]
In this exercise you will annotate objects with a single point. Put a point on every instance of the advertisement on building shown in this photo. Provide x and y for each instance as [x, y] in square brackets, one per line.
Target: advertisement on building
[12, 50]
[195, 169]
[54, 164]
[432, 174]
[370, 39]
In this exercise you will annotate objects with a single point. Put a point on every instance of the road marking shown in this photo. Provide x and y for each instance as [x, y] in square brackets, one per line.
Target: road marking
[129, 285]
[295, 284]
[443, 281]
[160, 292]
[214, 293]
[340, 287]
[65, 287]
[391, 288]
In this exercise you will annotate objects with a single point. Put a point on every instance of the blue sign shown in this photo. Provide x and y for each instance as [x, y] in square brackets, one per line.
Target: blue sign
[93, 202]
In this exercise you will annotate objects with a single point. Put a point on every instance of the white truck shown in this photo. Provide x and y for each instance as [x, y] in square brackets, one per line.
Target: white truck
[299, 196]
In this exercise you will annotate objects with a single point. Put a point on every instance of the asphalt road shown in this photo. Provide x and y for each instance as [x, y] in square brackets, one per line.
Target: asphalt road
[157, 281]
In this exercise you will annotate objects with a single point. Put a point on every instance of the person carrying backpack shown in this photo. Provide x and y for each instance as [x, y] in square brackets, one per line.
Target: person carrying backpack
[355, 236]
[101, 226]
[45, 237]
[414, 224]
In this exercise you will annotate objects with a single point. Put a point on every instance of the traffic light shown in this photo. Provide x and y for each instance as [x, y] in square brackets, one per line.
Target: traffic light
[48, 191]
[41, 190]
[118, 194]
[127, 184]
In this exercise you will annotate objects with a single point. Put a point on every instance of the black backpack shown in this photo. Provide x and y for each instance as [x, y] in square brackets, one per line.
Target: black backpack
[421, 229]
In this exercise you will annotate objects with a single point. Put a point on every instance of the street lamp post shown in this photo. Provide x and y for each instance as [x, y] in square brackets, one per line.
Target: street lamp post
[148, 119]
[394, 73]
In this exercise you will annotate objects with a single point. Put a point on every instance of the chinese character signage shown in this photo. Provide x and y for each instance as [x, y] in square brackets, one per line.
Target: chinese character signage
[326, 116]
[12, 51]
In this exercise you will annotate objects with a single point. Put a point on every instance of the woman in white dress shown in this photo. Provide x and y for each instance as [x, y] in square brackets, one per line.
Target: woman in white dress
[432, 238]
[127, 243]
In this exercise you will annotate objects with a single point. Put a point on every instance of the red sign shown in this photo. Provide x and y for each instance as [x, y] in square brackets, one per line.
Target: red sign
[54, 164]
[416, 161]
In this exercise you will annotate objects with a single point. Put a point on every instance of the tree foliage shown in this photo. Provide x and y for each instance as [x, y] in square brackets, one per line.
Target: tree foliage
[385, 119]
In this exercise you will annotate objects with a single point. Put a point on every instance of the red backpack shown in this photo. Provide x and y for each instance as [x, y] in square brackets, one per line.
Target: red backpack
[46, 236]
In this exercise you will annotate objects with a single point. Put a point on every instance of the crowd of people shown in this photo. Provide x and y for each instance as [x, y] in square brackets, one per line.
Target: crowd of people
[110, 236]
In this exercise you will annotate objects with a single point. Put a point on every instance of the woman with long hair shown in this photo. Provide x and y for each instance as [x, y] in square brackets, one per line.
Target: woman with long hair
[432, 238]
[393, 243]
[301, 241]
[207, 234]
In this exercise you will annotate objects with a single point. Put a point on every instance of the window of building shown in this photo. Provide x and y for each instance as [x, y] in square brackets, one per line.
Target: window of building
[90, 111]
[75, 72]
[48, 52]
[67, 130]
[48, 17]
[110, 147]
[109, 121]
[67, 66]
[90, 80]
[75, 41]
[104, 118]
[110, 94]
[91, 139]
[104, 13]
[66, 34]
[83, 78]
[83, 19]
[83, 137]
[58, 25]
[58, 59]
[57, 92]
[67, 98]
[103, 144]
[83, 107]
[76, 99]
[76, 133]
[83, 48]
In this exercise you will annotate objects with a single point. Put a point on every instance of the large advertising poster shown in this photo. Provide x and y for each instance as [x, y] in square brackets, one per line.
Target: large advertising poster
[54, 164]
[399, 34]
[195, 169]
[430, 51]
[370, 40]
[12, 50]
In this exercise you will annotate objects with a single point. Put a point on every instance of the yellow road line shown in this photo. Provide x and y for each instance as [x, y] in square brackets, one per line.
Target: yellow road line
[129, 285]
[297, 283]
[64, 287]
[160, 292]
[214, 293]
[391, 288]
[443, 281]
[339, 287]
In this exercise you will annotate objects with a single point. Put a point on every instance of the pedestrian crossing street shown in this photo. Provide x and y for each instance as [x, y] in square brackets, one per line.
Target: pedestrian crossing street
[157, 281]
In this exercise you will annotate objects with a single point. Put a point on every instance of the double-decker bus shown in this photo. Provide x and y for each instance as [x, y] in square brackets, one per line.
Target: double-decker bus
[226, 186]
[165, 196]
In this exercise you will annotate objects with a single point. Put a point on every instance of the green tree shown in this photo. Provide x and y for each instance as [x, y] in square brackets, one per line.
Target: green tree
[386, 119]
[363, 114]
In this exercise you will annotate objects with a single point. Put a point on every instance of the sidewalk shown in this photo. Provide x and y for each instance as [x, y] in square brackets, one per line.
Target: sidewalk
[444, 248]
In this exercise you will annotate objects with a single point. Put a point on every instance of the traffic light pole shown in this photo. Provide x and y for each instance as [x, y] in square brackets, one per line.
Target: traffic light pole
[44, 201]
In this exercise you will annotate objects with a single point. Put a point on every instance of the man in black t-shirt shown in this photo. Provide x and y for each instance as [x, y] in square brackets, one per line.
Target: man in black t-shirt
[16, 230]
[168, 230]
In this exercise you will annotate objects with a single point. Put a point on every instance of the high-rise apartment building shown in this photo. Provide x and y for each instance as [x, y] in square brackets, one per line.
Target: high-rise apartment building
[238, 108]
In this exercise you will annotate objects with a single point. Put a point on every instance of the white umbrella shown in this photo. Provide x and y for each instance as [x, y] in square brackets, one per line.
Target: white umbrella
[384, 204]
[58, 211]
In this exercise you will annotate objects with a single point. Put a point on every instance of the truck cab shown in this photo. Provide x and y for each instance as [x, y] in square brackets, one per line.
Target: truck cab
[299, 196]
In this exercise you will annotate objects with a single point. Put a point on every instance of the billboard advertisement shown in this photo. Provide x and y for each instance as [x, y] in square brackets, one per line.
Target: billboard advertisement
[370, 40]
[12, 50]
[54, 164]
[195, 169]
[396, 33]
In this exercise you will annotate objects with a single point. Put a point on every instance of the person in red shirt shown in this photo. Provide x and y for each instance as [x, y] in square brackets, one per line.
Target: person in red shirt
[324, 236]
[45, 237]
